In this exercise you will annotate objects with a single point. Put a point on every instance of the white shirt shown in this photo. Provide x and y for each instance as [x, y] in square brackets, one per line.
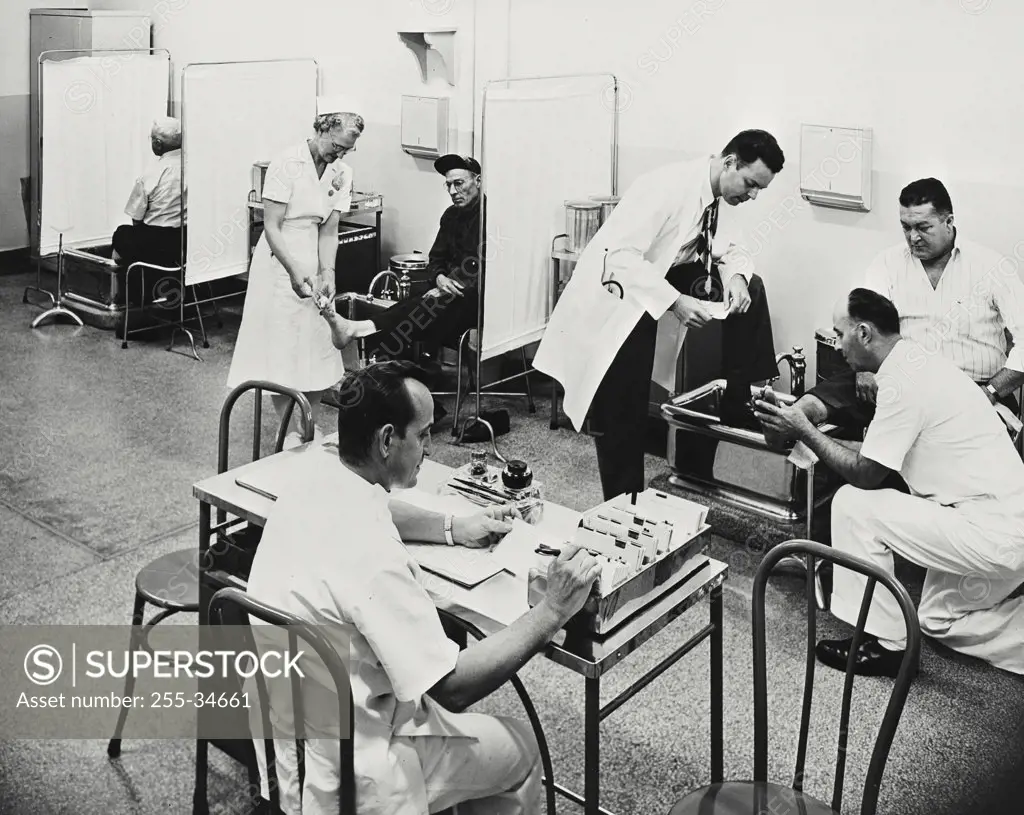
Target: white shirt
[965, 316]
[330, 554]
[156, 197]
[937, 429]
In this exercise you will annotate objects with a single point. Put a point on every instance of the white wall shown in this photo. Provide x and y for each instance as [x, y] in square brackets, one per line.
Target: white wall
[359, 52]
[941, 82]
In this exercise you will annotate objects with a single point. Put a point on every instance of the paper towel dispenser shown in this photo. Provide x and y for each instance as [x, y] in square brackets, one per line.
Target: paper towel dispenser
[425, 126]
[835, 166]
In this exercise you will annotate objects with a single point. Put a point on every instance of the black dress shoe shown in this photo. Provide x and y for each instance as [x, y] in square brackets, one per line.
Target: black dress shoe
[872, 659]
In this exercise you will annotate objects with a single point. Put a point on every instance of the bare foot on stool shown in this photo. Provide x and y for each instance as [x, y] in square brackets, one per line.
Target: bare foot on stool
[343, 331]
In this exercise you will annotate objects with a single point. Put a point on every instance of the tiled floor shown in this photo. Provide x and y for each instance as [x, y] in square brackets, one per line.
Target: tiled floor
[99, 448]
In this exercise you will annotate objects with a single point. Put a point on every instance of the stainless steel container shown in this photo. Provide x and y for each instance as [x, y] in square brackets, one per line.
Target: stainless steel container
[582, 220]
[608, 203]
[736, 465]
[411, 269]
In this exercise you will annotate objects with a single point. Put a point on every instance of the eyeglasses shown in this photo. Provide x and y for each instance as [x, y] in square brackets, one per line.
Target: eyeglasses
[341, 149]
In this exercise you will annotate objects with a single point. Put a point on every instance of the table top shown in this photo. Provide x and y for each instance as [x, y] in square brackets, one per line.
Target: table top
[494, 603]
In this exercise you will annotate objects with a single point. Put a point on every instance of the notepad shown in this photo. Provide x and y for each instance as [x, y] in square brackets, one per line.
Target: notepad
[465, 567]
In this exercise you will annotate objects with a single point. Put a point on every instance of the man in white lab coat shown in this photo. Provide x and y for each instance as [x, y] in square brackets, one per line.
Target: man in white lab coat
[963, 519]
[332, 554]
[634, 291]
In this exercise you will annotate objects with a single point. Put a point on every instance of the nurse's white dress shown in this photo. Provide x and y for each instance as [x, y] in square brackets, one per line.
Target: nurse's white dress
[283, 339]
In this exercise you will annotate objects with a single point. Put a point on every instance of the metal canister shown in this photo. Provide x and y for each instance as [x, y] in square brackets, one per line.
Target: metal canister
[411, 269]
[608, 203]
[582, 220]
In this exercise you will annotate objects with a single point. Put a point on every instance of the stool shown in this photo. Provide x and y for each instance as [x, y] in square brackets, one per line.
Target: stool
[171, 583]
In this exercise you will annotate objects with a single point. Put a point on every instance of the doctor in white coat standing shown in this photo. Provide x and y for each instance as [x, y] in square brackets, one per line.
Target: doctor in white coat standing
[600, 342]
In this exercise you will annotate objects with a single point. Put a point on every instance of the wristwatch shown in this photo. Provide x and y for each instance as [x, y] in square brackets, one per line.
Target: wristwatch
[993, 394]
[448, 519]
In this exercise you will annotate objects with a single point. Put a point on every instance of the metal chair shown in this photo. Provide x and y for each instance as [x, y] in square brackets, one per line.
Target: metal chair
[297, 629]
[164, 300]
[171, 582]
[451, 621]
[760, 795]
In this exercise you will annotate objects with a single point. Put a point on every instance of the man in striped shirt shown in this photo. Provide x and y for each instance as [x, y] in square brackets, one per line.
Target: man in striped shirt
[954, 297]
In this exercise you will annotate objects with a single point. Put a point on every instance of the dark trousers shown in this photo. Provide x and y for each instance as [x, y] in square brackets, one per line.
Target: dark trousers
[618, 414]
[839, 395]
[159, 245]
[427, 319]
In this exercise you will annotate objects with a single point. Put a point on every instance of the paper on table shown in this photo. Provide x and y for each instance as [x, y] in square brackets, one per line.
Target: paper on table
[467, 567]
[517, 551]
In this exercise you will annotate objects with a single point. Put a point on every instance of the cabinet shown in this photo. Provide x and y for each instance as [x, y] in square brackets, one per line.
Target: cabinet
[62, 29]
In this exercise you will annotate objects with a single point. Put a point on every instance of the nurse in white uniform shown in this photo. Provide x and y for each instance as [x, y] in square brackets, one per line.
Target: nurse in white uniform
[282, 338]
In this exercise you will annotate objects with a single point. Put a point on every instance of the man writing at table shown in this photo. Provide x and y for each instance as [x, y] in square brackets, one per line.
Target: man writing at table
[964, 517]
[332, 554]
[658, 250]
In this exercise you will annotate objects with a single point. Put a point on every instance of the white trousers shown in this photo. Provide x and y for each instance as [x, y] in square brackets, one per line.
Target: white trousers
[974, 556]
[492, 769]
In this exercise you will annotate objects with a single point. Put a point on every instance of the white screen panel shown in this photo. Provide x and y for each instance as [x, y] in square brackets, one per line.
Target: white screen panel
[545, 142]
[233, 115]
[97, 114]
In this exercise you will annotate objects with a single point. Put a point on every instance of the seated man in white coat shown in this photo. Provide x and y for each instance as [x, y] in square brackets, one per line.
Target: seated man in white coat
[963, 519]
[332, 554]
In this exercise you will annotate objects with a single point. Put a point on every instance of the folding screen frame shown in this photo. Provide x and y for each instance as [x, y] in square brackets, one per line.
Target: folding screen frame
[614, 170]
[55, 305]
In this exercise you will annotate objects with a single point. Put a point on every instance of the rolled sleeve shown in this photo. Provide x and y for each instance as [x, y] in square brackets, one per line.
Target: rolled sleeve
[1009, 302]
[734, 260]
[138, 200]
[897, 424]
[400, 622]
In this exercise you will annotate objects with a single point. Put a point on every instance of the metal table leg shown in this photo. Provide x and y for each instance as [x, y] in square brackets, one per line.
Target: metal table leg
[717, 728]
[200, 805]
[592, 746]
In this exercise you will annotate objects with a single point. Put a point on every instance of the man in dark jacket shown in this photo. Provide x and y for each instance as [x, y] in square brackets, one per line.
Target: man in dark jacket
[442, 314]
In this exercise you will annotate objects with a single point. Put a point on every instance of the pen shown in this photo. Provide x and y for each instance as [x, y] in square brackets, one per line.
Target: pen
[481, 488]
[256, 490]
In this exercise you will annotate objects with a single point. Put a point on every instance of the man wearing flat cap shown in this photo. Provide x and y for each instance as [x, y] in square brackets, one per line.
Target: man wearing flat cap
[155, 204]
[442, 314]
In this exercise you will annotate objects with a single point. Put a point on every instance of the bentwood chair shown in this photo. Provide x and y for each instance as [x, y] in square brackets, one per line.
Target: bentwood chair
[228, 599]
[458, 629]
[761, 796]
[171, 582]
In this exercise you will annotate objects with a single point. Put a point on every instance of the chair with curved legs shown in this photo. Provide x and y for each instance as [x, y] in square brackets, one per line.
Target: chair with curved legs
[759, 795]
[171, 582]
[450, 622]
[232, 598]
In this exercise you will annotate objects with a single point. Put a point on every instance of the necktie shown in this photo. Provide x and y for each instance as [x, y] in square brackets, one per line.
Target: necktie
[708, 227]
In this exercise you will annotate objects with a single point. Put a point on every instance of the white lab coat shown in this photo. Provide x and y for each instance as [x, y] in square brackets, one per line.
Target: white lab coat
[659, 216]
[330, 554]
